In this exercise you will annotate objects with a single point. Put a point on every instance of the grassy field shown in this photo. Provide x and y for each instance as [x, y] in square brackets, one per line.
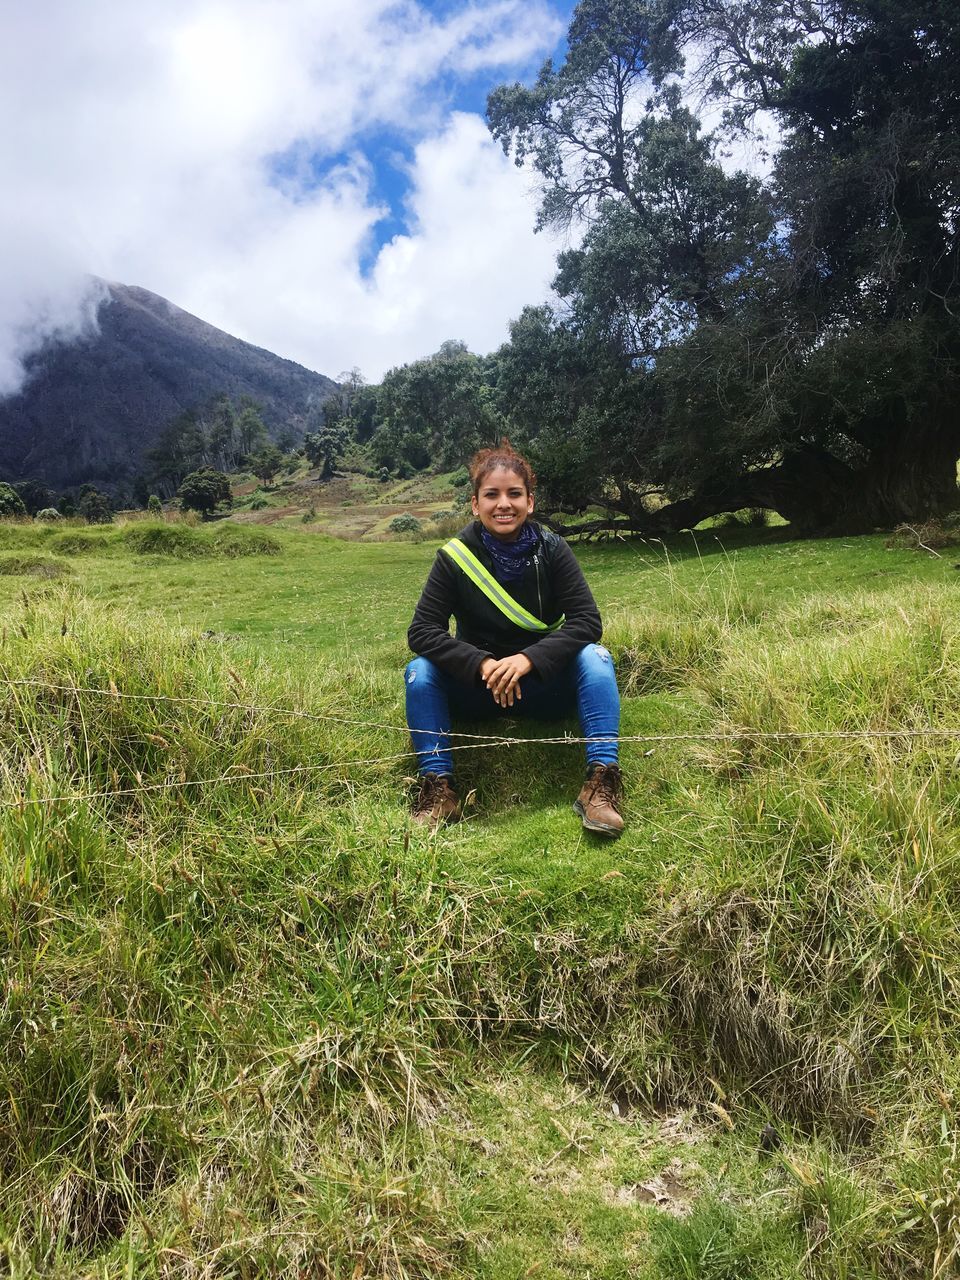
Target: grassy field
[257, 1025]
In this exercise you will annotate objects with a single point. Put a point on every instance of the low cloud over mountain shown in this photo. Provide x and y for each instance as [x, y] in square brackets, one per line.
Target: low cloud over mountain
[92, 406]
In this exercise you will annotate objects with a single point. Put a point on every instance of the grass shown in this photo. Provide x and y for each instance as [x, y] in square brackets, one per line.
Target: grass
[257, 1025]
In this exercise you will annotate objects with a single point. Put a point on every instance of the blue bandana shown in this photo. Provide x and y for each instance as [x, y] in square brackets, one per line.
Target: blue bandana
[510, 559]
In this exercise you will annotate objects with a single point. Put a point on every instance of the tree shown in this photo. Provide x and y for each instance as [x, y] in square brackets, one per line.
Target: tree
[794, 344]
[204, 491]
[250, 430]
[11, 504]
[436, 411]
[324, 447]
[35, 495]
[180, 448]
[94, 506]
[266, 462]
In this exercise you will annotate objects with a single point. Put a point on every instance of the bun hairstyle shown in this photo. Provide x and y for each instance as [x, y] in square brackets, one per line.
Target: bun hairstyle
[502, 455]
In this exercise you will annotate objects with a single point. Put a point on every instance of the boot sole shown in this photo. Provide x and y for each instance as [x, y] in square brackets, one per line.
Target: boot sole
[601, 828]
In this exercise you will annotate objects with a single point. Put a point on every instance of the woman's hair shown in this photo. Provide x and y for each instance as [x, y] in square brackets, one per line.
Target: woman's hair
[502, 455]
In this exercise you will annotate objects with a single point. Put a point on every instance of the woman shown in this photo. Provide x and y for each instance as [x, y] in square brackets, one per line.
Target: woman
[526, 643]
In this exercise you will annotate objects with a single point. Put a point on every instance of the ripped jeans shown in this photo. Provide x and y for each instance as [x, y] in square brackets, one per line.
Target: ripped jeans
[588, 685]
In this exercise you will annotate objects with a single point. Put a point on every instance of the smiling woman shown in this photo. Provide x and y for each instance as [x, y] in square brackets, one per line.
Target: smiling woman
[526, 643]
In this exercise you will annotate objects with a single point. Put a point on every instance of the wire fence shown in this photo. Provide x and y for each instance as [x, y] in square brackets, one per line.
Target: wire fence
[476, 741]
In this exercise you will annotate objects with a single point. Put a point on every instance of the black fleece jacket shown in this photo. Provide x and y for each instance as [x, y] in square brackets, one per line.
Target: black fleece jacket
[553, 584]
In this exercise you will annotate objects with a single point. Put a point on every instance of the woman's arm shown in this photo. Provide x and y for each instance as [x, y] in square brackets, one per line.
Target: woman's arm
[429, 633]
[553, 652]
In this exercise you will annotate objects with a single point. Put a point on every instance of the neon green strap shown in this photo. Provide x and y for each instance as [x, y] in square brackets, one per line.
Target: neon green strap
[464, 559]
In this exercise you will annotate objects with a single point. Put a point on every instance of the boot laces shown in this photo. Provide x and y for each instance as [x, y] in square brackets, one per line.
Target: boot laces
[607, 783]
[433, 787]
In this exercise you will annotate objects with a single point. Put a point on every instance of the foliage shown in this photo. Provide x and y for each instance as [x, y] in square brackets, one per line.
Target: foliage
[324, 446]
[36, 495]
[435, 412]
[48, 514]
[221, 435]
[204, 491]
[266, 462]
[154, 505]
[792, 344]
[11, 504]
[405, 523]
[95, 507]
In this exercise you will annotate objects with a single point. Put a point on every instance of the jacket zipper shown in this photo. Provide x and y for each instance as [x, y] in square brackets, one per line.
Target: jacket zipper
[536, 565]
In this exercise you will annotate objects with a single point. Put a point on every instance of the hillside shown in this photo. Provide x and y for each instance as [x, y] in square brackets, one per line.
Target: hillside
[90, 409]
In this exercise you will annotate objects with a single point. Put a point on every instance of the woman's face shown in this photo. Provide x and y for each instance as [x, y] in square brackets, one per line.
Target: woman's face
[502, 503]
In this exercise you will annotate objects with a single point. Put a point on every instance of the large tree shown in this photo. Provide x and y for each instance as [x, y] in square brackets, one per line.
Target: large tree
[435, 411]
[793, 344]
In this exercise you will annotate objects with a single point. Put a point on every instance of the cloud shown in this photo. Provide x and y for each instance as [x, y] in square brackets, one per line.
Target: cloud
[468, 263]
[147, 152]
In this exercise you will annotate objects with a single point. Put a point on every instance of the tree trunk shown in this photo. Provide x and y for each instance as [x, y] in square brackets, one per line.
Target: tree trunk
[910, 481]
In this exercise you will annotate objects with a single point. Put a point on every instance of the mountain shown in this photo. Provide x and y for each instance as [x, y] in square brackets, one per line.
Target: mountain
[91, 408]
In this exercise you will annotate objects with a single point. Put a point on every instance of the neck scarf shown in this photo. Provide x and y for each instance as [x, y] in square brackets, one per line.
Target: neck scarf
[510, 559]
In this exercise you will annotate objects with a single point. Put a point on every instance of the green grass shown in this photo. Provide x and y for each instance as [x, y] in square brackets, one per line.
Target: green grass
[256, 1024]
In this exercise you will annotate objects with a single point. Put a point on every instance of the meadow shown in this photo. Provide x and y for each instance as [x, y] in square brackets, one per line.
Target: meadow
[256, 1024]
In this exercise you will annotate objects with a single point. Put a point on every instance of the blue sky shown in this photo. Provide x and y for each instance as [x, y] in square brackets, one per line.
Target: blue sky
[314, 176]
[389, 151]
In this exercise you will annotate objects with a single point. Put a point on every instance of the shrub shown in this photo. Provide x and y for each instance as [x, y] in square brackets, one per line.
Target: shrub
[154, 505]
[49, 514]
[405, 523]
[446, 523]
[259, 503]
[383, 475]
[309, 514]
[11, 504]
[460, 477]
[204, 491]
[95, 507]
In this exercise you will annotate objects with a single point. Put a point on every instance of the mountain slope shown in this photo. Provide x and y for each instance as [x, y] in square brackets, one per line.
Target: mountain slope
[90, 409]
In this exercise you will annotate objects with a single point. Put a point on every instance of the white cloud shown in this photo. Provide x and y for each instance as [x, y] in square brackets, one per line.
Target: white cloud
[143, 154]
[468, 264]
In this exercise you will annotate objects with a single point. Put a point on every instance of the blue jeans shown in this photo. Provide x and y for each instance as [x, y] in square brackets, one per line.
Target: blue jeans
[588, 686]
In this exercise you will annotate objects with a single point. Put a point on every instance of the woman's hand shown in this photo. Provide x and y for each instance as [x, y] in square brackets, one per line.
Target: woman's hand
[502, 677]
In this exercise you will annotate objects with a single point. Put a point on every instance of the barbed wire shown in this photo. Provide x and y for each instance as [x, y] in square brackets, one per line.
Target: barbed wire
[239, 773]
[492, 739]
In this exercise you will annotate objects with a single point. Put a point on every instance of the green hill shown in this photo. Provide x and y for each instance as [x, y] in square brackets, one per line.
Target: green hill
[255, 1024]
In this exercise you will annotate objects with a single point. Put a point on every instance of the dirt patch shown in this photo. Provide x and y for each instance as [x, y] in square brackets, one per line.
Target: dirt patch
[666, 1191]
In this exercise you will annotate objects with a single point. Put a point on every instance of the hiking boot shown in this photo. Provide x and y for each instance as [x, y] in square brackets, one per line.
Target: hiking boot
[436, 802]
[598, 803]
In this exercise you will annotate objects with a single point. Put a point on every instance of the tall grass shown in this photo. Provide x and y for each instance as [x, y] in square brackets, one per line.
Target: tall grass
[239, 990]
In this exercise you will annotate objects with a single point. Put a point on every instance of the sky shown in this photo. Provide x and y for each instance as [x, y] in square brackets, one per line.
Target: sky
[314, 176]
